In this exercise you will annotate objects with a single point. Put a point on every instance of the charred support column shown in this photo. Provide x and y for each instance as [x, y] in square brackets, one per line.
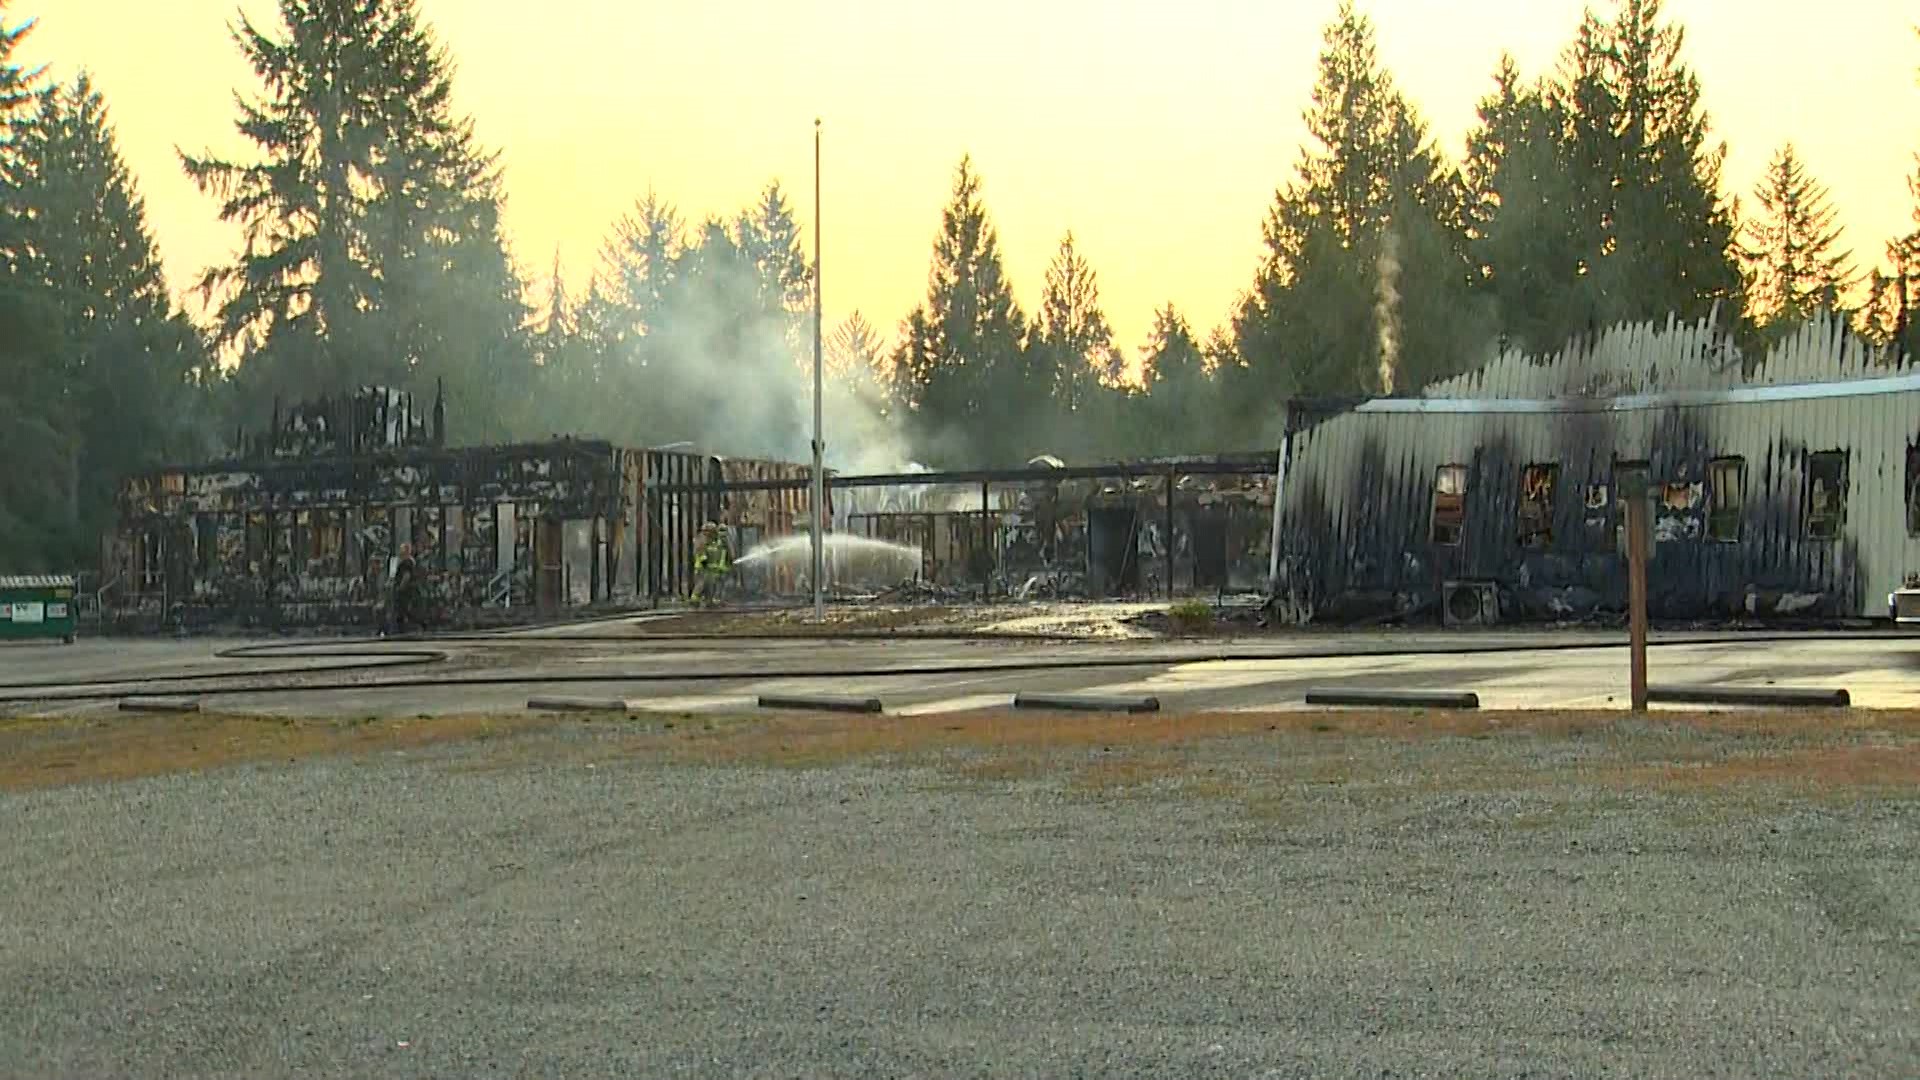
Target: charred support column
[1169, 539]
[1279, 493]
[986, 540]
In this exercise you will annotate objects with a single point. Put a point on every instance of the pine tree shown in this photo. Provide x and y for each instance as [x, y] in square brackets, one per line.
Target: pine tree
[1792, 268]
[17, 84]
[374, 250]
[1887, 316]
[1073, 353]
[1643, 231]
[35, 443]
[1522, 236]
[1366, 285]
[683, 321]
[860, 392]
[110, 368]
[554, 339]
[1180, 407]
[915, 361]
[1892, 312]
[855, 350]
[1893, 308]
[638, 267]
[964, 357]
[559, 321]
[768, 236]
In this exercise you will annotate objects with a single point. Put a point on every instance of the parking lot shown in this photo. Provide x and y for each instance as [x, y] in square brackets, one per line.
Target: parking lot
[1508, 670]
[322, 871]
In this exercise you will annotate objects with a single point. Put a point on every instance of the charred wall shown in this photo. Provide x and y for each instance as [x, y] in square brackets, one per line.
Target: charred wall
[289, 540]
[1148, 530]
[681, 492]
[1358, 508]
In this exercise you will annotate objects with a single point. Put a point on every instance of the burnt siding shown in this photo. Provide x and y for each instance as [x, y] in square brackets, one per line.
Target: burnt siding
[363, 496]
[1359, 493]
[681, 492]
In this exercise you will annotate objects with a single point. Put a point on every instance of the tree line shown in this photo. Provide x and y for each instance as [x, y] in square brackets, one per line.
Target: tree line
[373, 252]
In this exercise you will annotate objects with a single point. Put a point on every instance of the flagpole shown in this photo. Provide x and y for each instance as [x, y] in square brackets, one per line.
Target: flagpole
[819, 472]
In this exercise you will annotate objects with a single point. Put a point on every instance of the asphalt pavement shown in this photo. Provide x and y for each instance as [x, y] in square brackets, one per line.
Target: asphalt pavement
[917, 676]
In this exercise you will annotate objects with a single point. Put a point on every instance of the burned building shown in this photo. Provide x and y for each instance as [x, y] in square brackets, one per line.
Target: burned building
[299, 525]
[1193, 525]
[1781, 485]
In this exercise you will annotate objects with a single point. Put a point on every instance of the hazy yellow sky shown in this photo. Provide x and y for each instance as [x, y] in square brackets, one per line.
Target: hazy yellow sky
[1157, 132]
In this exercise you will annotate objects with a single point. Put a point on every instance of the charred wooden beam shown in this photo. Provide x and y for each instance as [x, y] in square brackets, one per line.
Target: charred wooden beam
[1118, 471]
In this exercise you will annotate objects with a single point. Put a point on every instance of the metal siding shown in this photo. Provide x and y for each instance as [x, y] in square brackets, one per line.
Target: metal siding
[1372, 476]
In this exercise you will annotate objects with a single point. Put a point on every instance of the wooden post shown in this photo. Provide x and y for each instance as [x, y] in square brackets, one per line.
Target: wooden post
[1637, 595]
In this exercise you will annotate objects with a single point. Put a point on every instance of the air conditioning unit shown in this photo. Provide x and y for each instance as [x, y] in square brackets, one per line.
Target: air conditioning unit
[1470, 603]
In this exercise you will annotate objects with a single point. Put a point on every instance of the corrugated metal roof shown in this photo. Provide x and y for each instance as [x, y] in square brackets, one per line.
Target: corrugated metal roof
[1896, 384]
[36, 581]
[1670, 357]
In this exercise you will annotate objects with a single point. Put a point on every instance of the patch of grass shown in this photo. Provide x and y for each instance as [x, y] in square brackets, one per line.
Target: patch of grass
[82, 750]
[1190, 617]
[1266, 754]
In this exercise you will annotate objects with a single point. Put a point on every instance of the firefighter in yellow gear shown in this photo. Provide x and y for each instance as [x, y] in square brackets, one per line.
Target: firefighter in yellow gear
[711, 563]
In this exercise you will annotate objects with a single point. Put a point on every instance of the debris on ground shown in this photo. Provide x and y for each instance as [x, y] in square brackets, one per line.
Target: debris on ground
[919, 591]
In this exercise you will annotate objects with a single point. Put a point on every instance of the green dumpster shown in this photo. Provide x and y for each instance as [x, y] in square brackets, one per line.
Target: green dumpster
[37, 606]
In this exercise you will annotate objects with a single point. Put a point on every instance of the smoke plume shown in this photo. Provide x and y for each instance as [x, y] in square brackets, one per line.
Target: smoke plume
[1386, 308]
[721, 357]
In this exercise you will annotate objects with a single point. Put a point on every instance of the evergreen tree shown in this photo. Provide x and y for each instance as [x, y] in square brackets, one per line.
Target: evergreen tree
[768, 236]
[1892, 311]
[373, 245]
[1366, 285]
[855, 351]
[1675, 231]
[859, 400]
[915, 361]
[34, 443]
[570, 372]
[17, 84]
[1180, 408]
[1523, 237]
[1624, 219]
[699, 336]
[104, 372]
[1893, 304]
[1887, 316]
[1073, 353]
[559, 320]
[1792, 268]
[586, 390]
[639, 263]
[964, 359]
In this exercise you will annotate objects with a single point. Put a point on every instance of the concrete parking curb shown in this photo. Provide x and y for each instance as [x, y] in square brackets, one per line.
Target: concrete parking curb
[1087, 703]
[578, 704]
[160, 705]
[1787, 696]
[820, 703]
[1415, 699]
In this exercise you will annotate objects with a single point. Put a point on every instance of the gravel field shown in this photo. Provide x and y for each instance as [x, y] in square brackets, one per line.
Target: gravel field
[1254, 897]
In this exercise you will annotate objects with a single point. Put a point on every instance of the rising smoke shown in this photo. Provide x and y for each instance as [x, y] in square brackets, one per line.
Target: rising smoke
[1386, 307]
[722, 358]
